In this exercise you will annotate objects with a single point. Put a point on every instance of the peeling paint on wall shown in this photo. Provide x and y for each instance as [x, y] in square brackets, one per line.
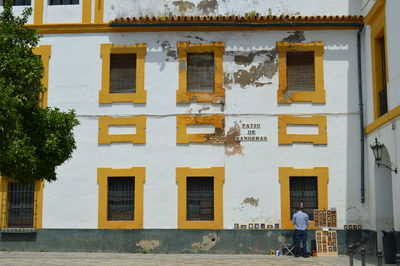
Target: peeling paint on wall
[250, 201]
[208, 7]
[232, 146]
[206, 244]
[183, 6]
[218, 137]
[166, 46]
[148, 244]
[296, 37]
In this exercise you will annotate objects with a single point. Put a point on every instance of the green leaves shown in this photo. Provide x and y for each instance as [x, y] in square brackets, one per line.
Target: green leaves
[33, 141]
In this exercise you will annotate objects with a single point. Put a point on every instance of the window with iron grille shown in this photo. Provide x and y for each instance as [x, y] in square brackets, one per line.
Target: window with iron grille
[121, 198]
[200, 199]
[64, 2]
[200, 72]
[300, 71]
[303, 193]
[123, 73]
[20, 205]
[18, 2]
[383, 102]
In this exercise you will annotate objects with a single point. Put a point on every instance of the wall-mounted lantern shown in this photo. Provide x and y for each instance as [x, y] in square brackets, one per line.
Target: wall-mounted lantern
[377, 149]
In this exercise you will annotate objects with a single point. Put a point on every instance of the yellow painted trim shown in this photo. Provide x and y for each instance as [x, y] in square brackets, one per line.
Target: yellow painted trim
[106, 121]
[57, 28]
[102, 179]
[98, 11]
[44, 51]
[86, 11]
[376, 19]
[140, 49]
[392, 114]
[182, 95]
[182, 121]
[219, 177]
[318, 120]
[285, 173]
[38, 12]
[317, 96]
[38, 202]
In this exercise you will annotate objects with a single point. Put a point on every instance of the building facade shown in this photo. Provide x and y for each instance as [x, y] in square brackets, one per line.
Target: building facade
[210, 114]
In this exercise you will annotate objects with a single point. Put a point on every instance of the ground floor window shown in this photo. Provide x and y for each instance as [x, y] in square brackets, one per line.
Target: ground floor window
[200, 197]
[121, 198]
[306, 187]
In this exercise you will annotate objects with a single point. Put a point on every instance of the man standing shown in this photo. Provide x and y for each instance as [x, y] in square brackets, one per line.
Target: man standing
[300, 221]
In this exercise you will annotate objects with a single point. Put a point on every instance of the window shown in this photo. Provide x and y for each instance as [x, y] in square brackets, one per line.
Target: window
[218, 121]
[200, 199]
[381, 83]
[307, 187]
[123, 73]
[18, 2]
[64, 2]
[200, 73]
[304, 193]
[21, 204]
[137, 137]
[301, 72]
[200, 194]
[319, 121]
[44, 52]
[120, 198]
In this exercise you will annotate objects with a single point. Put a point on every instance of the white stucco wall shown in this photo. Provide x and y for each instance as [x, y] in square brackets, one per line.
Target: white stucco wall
[74, 82]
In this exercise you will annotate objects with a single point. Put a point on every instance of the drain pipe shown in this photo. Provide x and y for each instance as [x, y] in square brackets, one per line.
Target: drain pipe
[361, 107]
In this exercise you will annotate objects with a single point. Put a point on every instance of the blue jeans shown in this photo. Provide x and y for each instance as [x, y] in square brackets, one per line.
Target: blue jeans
[300, 236]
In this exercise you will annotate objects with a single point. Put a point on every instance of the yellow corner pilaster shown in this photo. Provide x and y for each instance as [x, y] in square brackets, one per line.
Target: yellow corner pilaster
[38, 12]
[44, 51]
[86, 11]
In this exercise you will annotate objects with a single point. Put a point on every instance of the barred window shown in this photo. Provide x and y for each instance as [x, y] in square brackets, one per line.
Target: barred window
[64, 2]
[200, 72]
[18, 2]
[123, 73]
[20, 203]
[304, 192]
[382, 94]
[200, 199]
[300, 71]
[121, 195]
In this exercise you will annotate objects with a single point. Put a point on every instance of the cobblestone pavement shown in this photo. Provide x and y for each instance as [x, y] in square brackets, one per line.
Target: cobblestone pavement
[59, 258]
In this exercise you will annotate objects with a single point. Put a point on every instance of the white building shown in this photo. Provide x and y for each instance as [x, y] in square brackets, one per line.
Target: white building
[265, 109]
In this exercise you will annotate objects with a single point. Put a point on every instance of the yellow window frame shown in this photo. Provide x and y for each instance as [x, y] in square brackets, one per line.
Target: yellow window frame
[37, 202]
[182, 95]
[318, 120]
[316, 96]
[285, 173]
[182, 121]
[377, 21]
[44, 51]
[182, 173]
[104, 137]
[102, 179]
[105, 96]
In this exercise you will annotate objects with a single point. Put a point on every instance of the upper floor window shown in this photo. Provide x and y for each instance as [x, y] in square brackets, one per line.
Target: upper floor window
[63, 2]
[381, 75]
[18, 2]
[200, 73]
[123, 73]
[301, 75]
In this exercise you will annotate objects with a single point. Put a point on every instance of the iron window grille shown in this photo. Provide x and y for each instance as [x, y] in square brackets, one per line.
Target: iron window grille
[122, 73]
[121, 198]
[20, 205]
[300, 71]
[200, 72]
[200, 199]
[304, 193]
[18, 2]
[64, 2]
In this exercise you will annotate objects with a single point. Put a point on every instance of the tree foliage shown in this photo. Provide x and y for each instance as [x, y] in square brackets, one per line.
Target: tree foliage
[33, 140]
